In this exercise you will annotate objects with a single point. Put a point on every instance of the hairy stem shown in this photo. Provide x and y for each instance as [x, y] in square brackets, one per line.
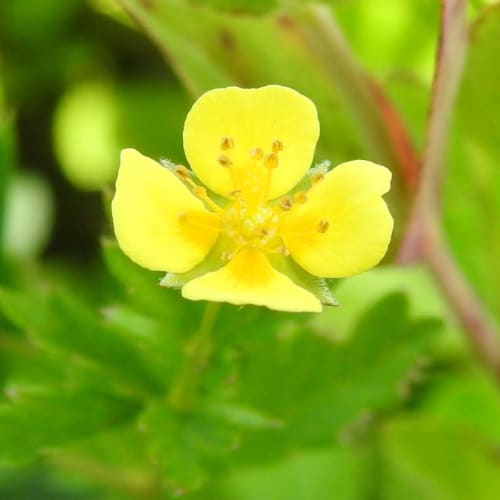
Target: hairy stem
[468, 308]
[183, 393]
[382, 130]
[424, 239]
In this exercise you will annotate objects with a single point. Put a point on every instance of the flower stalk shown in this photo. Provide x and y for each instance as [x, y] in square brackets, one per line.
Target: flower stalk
[183, 393]
[424, 239]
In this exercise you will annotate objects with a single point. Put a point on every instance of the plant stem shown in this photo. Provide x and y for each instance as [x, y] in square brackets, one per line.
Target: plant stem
[382, 130]
[466, 305]
[424, 239]
[183, 392]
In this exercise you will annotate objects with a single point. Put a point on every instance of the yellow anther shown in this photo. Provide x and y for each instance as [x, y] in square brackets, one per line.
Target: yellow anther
[300, 198]
[317, 177]
[277, 146]
[323, 226]
[286, 203]
[235, 193]
[226, 255]
[284, 251]
[256, 154]
[224, 161]
[271, 161]
[200, 191]
[182, 172]
[226, 143]
[182, 216]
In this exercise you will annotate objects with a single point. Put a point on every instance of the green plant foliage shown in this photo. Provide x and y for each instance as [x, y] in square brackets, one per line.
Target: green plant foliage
[95, 365]
[426, 459]
[113, 386]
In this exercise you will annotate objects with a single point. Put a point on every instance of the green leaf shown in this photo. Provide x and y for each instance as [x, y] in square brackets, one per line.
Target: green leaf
[428, 458]
[143, 292]
[321, 391]
[60, 321]
[467, 400]
[184, 445]
[320, 475]
[38, 418]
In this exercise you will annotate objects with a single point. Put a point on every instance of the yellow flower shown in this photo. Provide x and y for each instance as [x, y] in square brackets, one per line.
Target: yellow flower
[244, 240]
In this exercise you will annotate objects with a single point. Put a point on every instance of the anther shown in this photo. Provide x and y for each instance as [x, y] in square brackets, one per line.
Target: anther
[235, 193]
[226, 143]
[256, 154]
[284, 251]
[224, 161]
[182, 216]
[323, 226]
[271, 161]
[286, 203]
[226, 255]
[317, 177]
[300, 198]
[277, 146]
[182, 172]
[199, 191]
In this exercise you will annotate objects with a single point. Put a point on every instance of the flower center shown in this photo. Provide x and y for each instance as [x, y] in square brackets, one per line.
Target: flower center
[249, 220]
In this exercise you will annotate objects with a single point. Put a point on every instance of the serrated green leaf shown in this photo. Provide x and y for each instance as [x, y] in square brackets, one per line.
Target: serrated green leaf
[428, 458]
[143, 291]
[62, 322]
[319, 389]
[184, 445]
[320, 475]
[39, 418]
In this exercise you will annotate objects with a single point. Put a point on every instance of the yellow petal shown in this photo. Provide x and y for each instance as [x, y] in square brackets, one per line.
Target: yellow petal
[251, 118]
[147, 208]
[345, 226]
[249, 278]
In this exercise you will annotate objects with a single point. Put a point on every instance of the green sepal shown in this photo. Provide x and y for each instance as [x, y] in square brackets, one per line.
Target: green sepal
[317, 286]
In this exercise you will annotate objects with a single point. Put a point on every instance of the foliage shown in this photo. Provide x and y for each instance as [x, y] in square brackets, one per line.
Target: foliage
[109, 388]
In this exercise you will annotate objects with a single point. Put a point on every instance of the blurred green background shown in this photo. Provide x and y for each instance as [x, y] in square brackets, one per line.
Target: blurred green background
[381, 398]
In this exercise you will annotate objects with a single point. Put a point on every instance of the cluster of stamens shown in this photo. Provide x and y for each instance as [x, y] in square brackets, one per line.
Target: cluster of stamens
[250, 221]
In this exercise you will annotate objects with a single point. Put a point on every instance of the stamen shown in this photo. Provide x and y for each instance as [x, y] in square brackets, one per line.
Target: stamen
[317, 177]
[281, 250]
[226, 255]
[256, 154]
[286, 203]
[271, 161]
[300, 198]
[323, 226]
[200, 192]
[277, 146]
[226, 143]
[196, 221]
[224, 161]
[182, 172]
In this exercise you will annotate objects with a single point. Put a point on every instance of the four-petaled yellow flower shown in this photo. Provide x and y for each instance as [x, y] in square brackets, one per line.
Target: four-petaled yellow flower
[241, 241]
